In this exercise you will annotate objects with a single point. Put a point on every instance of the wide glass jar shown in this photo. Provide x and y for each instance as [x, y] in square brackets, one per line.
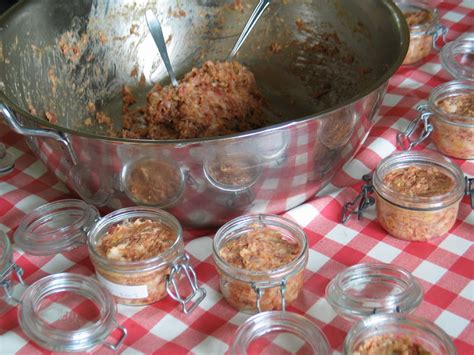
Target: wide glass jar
[260, 260]
[417, 194]
[451, 112]
[425, 29]
[296, 334]
[134, 273]
[379, 298]
[397, 334]
[135, 280]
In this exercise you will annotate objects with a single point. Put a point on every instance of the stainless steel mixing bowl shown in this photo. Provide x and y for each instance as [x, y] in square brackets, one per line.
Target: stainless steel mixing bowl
[322, 67]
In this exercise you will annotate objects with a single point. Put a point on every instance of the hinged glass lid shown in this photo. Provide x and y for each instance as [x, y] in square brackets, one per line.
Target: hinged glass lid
[51, 313]
[457, 58]
[365, 289]
[55, 227]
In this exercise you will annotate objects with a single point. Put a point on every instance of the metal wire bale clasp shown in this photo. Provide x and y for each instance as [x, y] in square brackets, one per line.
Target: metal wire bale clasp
[181, 265]
[7, 284]
[405, 140]
[439, 31]
[259, 289]
[469, 191]
[362, 201]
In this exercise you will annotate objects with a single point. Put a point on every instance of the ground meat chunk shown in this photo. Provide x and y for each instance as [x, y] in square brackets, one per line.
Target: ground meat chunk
[416, 18]
[141, 240]
[216, 99]
[419, 181]
[462, 104]
[387, 345]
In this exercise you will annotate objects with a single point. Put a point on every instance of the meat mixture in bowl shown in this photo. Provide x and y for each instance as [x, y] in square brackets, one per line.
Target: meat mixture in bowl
[455, 138]
[416, 225]
[136, 241]
[259, 250]
[216, 99]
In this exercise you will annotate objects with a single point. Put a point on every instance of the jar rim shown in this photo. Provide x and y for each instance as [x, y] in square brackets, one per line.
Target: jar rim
[380, 324]
[451, 64]
[451, 88]
[419, 158]
[263, 323]
[263, 220]
[135, 212]
[128, 169]
[416, 5]
[56, 238]
[402, 292]
[6, 255]
[55, 339]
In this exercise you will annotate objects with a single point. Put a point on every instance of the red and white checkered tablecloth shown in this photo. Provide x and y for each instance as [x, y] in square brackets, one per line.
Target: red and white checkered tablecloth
[445, 266]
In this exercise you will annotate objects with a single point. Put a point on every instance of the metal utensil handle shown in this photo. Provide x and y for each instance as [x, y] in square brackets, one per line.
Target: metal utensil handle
[154, 26]
[197, 294]
[404, 139]
[363, 201]
[12, 121]
[117, 346]
[256, 14]
[259, 289]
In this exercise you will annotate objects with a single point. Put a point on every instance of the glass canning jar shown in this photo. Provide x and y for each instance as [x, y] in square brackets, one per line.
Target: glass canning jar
[399, 329]
[379, 298]
[413, 217]
[66, 224]
[424, 33]
[254, 291]
[150, 280]
[69, 332]
[301, 336]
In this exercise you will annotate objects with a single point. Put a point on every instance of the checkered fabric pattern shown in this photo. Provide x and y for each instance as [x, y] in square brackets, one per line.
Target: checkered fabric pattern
[444, 266]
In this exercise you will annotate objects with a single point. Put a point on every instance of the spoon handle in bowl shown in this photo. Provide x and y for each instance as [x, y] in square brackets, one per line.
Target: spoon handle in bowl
[157, 34]
[256, 14]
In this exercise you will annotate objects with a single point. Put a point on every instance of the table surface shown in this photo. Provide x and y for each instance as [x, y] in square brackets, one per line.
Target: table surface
[444, 266]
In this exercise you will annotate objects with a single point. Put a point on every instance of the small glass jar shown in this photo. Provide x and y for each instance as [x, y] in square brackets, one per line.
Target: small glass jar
[417, 218]
[457, 57]
[66, 224]
[379, 298]
[424, 33]
[399, 330]
[255, 291]
[301, 335]
[72, 334]
[453, 134]
[371, 288]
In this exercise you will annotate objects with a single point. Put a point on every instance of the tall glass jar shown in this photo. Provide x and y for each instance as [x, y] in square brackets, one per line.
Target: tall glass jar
[425, 29]
[250, 290]
[413, 217]
[149, 280]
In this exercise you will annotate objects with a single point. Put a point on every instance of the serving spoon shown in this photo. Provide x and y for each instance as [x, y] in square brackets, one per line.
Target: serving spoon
[251, 22]
[156, 31]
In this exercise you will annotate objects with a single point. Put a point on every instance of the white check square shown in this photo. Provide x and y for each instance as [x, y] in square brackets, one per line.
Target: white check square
[384, 252]
[451, 323]
[323, 311]
[429, 272]
[168, 328]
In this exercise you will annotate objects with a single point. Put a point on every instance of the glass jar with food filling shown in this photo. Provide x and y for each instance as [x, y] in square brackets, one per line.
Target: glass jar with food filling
[379, 298]
[260, 260]
[138, 254]
[425, 29]
[417, 194]
[396, 334]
